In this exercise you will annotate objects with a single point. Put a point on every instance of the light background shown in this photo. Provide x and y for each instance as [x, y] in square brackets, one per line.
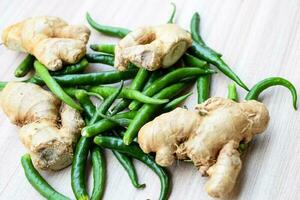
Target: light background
[258, 39]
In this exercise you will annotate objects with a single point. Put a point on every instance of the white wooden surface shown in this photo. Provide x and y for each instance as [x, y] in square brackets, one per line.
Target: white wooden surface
[258, 38]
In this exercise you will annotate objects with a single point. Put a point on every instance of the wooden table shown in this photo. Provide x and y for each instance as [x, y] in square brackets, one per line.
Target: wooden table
[258, 38]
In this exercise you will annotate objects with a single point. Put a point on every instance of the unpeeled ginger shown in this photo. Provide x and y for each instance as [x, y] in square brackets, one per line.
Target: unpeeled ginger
[209, 137]
[49, 129]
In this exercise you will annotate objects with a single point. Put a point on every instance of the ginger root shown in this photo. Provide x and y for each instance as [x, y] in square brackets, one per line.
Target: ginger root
[152, 47]
[49, 129]
[50, 39]
[209, 137]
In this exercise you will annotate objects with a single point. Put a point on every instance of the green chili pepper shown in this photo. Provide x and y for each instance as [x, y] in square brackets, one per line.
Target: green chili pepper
[87, 104]
[103, 108]
[203, 82]
[139, 81]
[134, 151]
[153, 77]
[120, 106]
[103, 48]
[126, 93]
[100, 58]
[232, 94]
[71, 91]
[126, 162]
[107, 30]
[54, 86]
[38, 182]
[81, 153]
[203, 88]
[79, 167]
[72, 69]
[195, 22]
[147, 111]
[99, 174]
[202, 52]
[175, 102]
[137, 84]
[269, 82]
[95, 78]
[105, 125]
[170, 78]
[25, 66]
[192, 61]
[123, 122]
[171, 19]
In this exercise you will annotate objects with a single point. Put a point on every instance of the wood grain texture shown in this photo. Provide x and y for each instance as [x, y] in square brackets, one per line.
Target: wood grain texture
[258, 39]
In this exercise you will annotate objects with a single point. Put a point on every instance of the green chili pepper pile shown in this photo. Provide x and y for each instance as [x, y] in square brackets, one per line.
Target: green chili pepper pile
[148, 95]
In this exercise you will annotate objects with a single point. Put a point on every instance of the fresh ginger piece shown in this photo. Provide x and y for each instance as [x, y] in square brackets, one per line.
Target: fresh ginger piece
[204, 136]
[223, 120]
[224, 172]
[166, 132]
[50, 39]
[152, 47]
[48, 130]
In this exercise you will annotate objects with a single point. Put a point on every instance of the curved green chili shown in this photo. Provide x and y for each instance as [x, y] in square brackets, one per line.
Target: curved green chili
[147, 111]
[269, 82]
[202, 52]
[126, 93]
[38, 182]
[103, 48]
[100, 58]
[96, 78]
[195, 22]
[170, 78]
[134, 151]
[232, 94]
[104, 107]
[171, 19]
[107, 30]
[176, 102]
[105, 125]
[85, 101]
[25, 66]
[126, 162]
[99, 172]
[70, 69]
[54, 86]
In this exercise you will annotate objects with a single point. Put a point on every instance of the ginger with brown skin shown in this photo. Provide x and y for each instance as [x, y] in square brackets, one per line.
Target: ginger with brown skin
[49, 129]
[209, 137]
[50, 39]
[152, 47]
